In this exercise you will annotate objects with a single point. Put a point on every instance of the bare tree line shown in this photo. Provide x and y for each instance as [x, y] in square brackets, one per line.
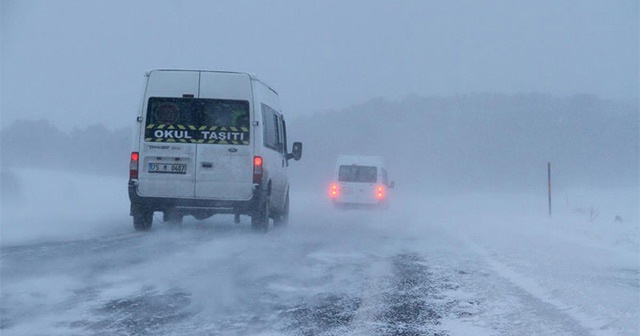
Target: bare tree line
[481, 141]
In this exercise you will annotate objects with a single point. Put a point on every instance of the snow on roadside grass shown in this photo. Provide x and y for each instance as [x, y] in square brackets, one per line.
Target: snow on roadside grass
[583, 264]
[607, 218]
[45, 205]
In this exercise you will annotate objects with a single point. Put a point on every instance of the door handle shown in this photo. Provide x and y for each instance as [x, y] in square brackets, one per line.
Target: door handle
[207, 165]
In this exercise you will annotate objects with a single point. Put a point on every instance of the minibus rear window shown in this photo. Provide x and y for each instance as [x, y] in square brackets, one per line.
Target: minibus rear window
[353, 173]
[189, 120]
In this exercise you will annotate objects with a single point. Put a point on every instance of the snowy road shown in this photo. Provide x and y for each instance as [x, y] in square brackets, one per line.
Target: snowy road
[398, 272]
[351, 273]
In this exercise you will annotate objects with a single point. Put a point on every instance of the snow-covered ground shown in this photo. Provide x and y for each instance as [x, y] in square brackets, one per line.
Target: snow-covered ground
[584, 259]
[44, 205]
[482, 264]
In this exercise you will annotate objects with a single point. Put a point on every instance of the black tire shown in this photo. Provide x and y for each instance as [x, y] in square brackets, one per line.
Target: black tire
[282, 218]
[142, 220]
[260, 217]
[172, 217]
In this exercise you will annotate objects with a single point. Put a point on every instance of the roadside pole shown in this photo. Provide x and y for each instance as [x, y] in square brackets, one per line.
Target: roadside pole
[549, 184]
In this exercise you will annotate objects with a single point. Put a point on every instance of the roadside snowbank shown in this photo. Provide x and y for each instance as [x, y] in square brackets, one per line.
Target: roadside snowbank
[583, 262]
[45, 205]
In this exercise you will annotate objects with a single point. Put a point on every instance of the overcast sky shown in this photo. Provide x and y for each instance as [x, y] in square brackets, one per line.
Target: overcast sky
[80, 62]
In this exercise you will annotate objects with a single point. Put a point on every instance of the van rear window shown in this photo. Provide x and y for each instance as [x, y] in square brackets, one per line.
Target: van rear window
[353, 173]
[193, 120]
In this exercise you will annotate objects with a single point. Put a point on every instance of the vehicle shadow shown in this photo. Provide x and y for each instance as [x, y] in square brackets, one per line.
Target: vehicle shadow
[214, 227]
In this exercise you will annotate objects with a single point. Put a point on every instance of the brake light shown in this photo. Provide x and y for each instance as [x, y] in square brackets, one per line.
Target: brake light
[133, 166]
[257, 169]
[333, 192]
[380, 192]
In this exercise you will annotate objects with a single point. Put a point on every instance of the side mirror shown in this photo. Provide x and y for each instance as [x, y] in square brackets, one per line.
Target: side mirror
[392, 185]
[296, 151]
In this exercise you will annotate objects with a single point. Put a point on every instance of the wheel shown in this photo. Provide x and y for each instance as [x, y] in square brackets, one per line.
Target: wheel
[172, 217]
[282, 218]
[260, 217]
[142, 220]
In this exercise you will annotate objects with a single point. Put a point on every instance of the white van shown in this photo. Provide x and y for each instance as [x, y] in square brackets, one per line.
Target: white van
[360, 181]
[209, 142]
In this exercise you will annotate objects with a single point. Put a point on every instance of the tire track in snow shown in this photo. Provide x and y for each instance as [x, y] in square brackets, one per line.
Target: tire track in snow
[399, 296]
[409, 305]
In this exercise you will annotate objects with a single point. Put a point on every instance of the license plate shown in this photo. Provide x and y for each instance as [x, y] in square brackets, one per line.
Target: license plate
[168, 168]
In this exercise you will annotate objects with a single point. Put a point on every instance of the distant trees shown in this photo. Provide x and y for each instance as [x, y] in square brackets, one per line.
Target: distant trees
[479, 141]
[40, 145]
[457, 143]
[108, 149]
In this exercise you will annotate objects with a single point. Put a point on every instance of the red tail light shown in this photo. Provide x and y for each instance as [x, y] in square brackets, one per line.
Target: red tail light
[334, 191]
[257, 169]
[380, 192]
[133, 166]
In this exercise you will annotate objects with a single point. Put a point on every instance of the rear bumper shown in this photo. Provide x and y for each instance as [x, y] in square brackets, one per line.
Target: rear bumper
[361, 205]
[213, 205]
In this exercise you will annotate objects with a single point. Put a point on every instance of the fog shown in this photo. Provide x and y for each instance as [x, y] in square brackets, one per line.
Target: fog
[434, 145]
[466, 101]
[78, 63]
[456, 96]
[481, 142]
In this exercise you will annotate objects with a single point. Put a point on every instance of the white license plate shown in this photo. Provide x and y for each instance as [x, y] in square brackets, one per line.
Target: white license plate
[168, 168]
